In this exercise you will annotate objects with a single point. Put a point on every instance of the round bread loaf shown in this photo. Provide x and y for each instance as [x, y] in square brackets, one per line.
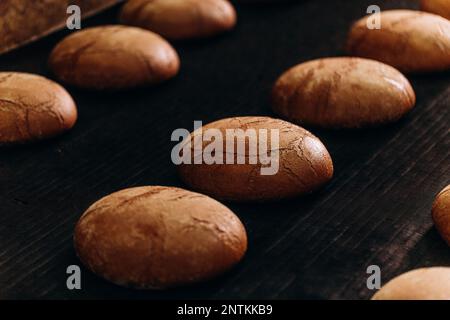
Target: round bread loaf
[180, 19]
[411, 41]
[420, 284]
[297, 165]
[159, 237]
[441, 213]
[342, 93]
[33, 108]
[440, 7]
[114, 57]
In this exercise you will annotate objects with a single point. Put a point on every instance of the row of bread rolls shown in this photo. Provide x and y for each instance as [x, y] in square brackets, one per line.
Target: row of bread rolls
[148, 237]
[419, 43]
[384, 97]
[159, 237]
[338, 93]
[107, 57]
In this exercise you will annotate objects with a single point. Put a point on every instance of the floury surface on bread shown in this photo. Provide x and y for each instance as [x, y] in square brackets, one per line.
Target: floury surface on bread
[420, 284]
[113, 58]
[33, 108]
[411, 41]
[342, 92]
[180, 19]
[159, 237]
[441, 213]
[302, 162]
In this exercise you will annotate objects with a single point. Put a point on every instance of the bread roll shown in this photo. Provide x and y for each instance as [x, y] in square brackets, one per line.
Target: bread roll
[159, 237]
[33, 108]
[420, 284]
[114, 58]
[342, 93]
[297, 165]
[180, 19]
[441, 213]
[411, 41]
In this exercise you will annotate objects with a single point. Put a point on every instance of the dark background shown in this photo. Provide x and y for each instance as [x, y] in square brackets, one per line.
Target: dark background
[375, 211]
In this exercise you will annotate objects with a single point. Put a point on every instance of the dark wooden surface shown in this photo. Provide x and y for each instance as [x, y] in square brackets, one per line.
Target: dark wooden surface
[375, 211]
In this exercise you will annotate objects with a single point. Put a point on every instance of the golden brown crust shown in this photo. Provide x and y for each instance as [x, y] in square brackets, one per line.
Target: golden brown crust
[159, 237]
[440, 7]
[304, 166]
[33, 108]
[420, 284]
[342, 93]
[411, 41]
[114, 57]
[441, 213]
[180, 19]
[23, 21]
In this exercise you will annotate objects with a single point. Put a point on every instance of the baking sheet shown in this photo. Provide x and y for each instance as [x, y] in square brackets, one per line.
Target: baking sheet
[375, 211]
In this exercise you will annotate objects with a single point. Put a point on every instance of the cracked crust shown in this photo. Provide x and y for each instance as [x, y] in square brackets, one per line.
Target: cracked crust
[441, 213]
[440, 7]
[33, 108]
[304, 165]
[342, 93]
[411, 41]
[420, 284]
[159, 237]
[113, 57]
[180, 19]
